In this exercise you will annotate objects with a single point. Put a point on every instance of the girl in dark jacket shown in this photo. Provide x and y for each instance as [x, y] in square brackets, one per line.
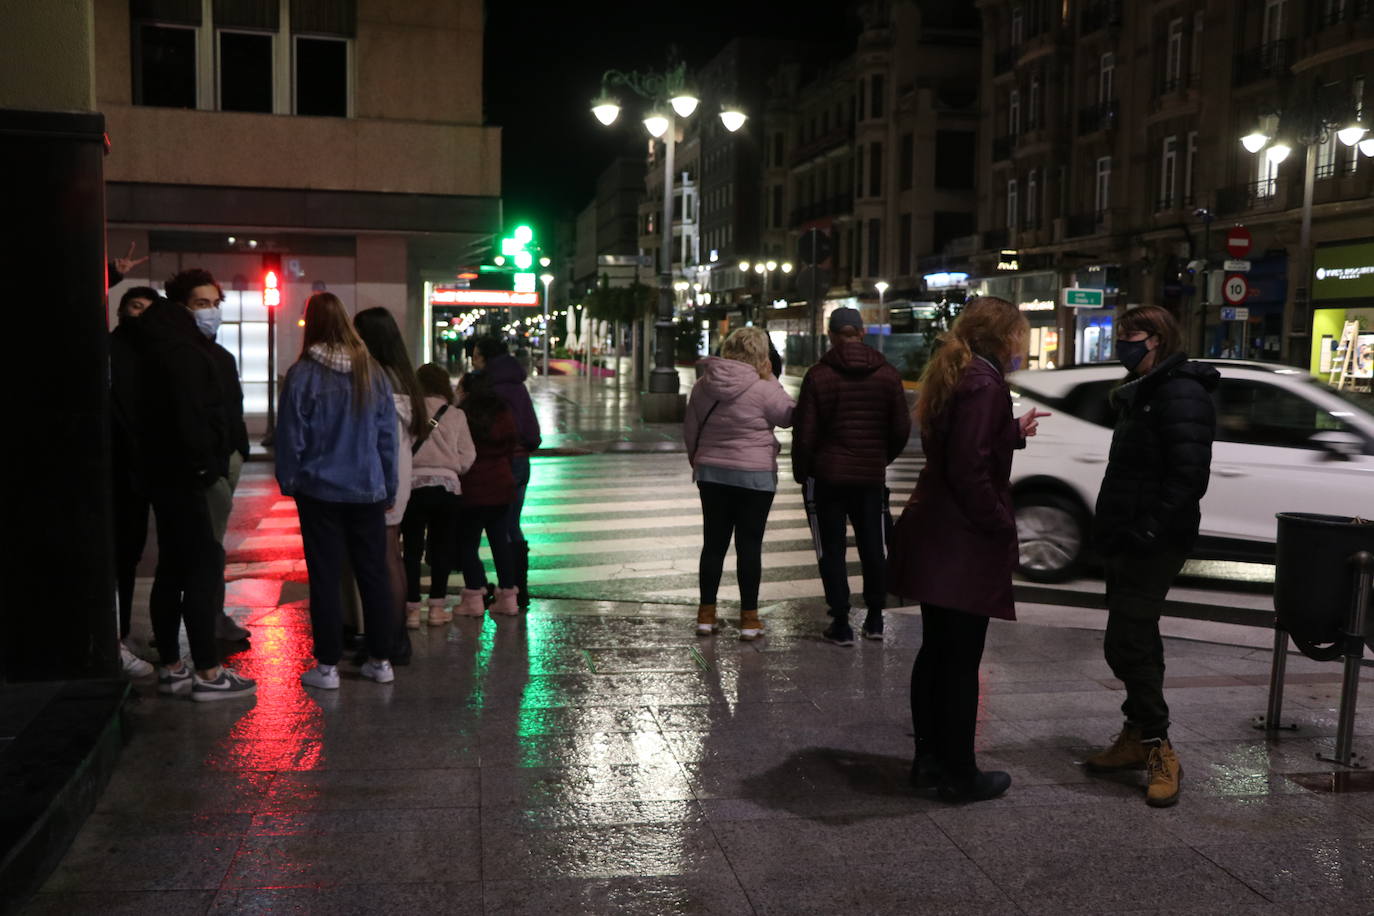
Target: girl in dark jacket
[957, 547]
[1146, 522]
[488, 490]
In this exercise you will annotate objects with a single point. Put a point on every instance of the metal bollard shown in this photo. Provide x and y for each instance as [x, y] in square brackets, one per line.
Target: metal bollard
[1354, 656]
[1272, 720]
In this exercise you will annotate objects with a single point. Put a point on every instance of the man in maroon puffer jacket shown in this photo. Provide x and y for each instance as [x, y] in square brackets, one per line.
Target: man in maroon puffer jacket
[851, 422]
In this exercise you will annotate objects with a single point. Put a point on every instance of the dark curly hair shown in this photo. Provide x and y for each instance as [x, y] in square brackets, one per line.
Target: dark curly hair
[179, 287]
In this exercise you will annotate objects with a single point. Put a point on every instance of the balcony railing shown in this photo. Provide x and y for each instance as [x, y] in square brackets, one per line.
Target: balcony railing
[837, 205]
[1002, 147]
[1264, 62]
[1265, 194]
[1351, 11]
[1093, 118]
[1170, 84]
[1101, 14]
[1081, 224]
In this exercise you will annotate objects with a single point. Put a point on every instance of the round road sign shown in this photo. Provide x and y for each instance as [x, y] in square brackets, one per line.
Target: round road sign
[1235, 290]
[1238, 241]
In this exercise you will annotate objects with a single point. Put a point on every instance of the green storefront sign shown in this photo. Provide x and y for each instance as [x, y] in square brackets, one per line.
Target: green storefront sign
[1344, 272]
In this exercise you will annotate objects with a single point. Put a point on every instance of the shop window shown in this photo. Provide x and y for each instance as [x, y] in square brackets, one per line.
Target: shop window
[321, 68]
[1257, 413]
[164, 66]
[245, 71]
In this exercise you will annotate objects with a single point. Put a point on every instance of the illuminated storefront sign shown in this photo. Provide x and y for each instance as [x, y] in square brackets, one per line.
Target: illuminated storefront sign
[501, 298]
[1344, 272]
[1037, 305]
[945, 280]
[1010, 260]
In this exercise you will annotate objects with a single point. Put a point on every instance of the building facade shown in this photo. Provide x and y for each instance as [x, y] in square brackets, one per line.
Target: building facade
[345, 136]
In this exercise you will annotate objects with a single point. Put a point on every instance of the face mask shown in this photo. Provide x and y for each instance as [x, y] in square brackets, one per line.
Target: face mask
[1131, 352]
[207, 320]
[1016, 363]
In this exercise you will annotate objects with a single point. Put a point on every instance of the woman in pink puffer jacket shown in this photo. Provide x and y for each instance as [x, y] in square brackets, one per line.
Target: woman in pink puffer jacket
[731, 415]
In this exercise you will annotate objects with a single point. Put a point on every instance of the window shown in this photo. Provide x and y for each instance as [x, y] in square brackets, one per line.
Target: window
[1356, 95]
[1033, 106]
[904, 238]
[955, 159]
[1106, 74]
[1014, 113]
[878, 96]
[875, 170]
[165, 66]
[1168, 171]
[245, 71]
[1189, 167]
[777, 148]
[1173, 56]
[859, 171]
[1018, 26]
[321, 77]
[1273, 20]
[857, 261]
[1103, 186]
[874, 238]
[1258, 413]
[1266, 174]
[1195, 64]
[1013, 205]
[1326, 155]
[907, 166]
[859, 104]
[1033, 198]
[777, 206]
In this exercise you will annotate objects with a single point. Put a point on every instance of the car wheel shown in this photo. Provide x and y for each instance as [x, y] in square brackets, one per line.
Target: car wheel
[1051, 530]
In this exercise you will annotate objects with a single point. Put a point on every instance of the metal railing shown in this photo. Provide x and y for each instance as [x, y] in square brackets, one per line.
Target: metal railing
[1266, 61]
[836, 205]
[1080, 224]
[1093, 118]
[1253, 195]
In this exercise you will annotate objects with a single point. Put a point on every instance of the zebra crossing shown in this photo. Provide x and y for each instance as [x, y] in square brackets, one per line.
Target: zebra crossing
[627, 527]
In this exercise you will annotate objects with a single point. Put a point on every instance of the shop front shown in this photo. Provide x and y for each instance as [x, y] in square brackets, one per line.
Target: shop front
[1095, 324]
[1343, 315]
[1036, 294]
[1253, 328]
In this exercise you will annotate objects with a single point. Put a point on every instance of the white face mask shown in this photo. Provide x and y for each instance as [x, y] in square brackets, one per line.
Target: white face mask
[208, 321]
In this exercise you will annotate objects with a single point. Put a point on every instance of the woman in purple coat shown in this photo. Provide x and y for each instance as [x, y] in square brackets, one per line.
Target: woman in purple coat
[958, 549]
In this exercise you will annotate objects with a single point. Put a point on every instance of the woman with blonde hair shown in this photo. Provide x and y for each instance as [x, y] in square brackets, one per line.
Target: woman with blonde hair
[734, 456]
[336, 445]
[955, 547]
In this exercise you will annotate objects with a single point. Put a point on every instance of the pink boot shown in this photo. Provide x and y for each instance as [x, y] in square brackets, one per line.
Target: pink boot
[505, 602]
[438, 614]
[471, 603]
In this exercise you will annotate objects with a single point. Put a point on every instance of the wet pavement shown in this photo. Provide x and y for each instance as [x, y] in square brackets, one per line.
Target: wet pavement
[594, 756]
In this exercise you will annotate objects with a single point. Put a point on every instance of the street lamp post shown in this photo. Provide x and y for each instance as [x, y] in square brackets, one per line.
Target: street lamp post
[881, 286]
[670, 88]
[546, 279]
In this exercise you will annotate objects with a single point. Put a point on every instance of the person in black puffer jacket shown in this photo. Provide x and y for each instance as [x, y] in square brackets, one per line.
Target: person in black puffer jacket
[1146, 524]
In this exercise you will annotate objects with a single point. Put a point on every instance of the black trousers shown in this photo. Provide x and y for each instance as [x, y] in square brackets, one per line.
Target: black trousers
[329, 532]
[740, 513]
[188, 586]
[1137, 585]
[495, 521]
[430, 526]
[130, 537]
[944, 687]
[862, 507]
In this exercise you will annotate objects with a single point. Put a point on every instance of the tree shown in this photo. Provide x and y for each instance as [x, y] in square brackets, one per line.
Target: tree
[619, 303]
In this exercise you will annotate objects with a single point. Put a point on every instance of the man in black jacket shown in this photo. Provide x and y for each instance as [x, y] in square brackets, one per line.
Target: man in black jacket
[851, 422]
[182, 452]
[1147, 518]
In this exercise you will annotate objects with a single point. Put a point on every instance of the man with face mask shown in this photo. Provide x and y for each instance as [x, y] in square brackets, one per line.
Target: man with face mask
[198, 292]
[1145, 525]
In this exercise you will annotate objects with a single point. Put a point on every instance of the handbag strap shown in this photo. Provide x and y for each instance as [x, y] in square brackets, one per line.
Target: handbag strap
[429, 428]
[702, 425]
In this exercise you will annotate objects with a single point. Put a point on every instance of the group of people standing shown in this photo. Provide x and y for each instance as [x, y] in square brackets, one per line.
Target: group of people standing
[954, 549]
[388, 465]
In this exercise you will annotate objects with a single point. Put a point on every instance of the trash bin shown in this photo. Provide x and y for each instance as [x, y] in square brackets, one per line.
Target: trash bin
[1314, 580]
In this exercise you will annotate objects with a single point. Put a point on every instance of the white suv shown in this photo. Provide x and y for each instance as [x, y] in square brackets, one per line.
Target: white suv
[1285, 443]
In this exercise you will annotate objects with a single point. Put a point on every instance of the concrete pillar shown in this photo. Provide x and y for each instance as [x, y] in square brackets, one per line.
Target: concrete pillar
[381, 268]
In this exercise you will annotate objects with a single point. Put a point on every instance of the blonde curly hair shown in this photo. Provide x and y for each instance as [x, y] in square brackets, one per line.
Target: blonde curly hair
[748, 345]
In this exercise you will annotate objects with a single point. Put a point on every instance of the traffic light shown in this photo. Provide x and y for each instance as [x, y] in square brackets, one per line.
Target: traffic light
[271, 280]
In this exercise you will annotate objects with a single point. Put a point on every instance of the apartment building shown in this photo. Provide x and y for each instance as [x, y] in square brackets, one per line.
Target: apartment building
[345, 136]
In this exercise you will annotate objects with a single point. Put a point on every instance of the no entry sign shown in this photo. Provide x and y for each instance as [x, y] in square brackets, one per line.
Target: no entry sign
[1238, 241]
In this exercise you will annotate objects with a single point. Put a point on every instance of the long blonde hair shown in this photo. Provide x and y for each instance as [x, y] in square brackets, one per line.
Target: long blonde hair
[327, 323]
[987, 326]
[748, 345]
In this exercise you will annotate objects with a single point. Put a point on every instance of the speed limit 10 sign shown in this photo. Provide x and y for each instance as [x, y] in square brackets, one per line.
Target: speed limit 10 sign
[1235, 289]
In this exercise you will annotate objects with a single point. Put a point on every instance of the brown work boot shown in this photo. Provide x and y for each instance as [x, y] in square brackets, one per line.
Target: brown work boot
[707, 624]
[1166, 775]
[1126, 753]
[750, 627]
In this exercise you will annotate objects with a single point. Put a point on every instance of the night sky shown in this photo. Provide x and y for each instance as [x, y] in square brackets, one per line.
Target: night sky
[544, 66]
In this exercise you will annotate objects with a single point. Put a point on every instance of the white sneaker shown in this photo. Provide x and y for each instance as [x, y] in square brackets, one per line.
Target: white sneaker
[134, 667]
[325, 677]
[379, 671]
[174, 682]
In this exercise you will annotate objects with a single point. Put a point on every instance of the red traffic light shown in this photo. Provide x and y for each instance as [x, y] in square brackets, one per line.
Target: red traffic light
[271, 295]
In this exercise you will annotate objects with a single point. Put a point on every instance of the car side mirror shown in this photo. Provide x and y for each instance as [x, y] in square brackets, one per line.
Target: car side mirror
[1338, 446]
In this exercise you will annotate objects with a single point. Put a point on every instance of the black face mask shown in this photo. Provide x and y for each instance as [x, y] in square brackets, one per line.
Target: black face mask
[1131, 352]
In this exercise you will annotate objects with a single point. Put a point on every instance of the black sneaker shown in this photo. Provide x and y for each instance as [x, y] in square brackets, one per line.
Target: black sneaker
[984, 785]
[840, 633]
[226, 686]
[226, 630]
[873, 626]
[926, 772]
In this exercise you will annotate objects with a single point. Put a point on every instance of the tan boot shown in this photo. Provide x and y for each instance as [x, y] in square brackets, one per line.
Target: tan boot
[1126, 753]
[472, 603]
[1166, 775]
[707, 625]
[506, 602]
[750, 627]
[412, 615]
[438, 613]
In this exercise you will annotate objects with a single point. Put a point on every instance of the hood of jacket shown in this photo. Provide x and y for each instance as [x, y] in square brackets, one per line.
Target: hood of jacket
[726, 379]
[1177, 366]
[335, 358]
[853, 357]
[504, 369]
